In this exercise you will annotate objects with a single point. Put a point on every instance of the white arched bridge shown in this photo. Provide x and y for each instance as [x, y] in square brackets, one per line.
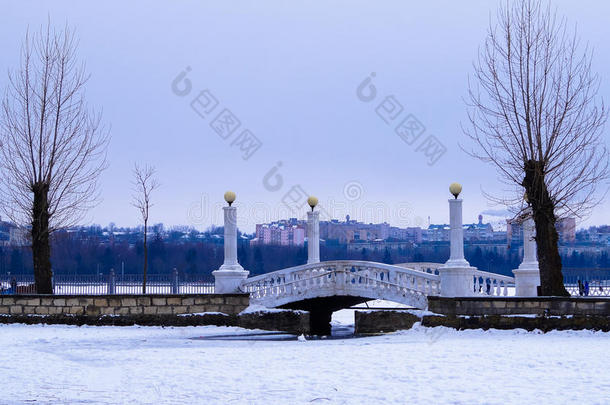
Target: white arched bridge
[346, 278]
[324, 287]
[407, 283]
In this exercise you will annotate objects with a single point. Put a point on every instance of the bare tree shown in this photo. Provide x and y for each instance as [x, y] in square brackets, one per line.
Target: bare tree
[144, 183]
[52, 145]
[534, 114]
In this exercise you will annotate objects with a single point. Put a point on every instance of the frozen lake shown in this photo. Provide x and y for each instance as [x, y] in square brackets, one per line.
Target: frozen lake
[67, 364]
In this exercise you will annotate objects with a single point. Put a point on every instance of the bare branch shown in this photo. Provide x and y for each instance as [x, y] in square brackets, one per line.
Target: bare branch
[143, 184]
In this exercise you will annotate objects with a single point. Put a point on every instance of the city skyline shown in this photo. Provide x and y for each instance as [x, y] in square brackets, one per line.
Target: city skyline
[301, 94]
[497, 222]
[289, 230]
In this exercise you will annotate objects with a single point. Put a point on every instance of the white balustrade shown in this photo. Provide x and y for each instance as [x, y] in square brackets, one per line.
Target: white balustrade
[356, 278]
[493, 284]
[426, 267]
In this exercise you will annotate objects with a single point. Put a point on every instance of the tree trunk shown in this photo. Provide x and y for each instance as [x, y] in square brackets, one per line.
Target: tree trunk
[145, 258]
[549, 260]
[41, 248]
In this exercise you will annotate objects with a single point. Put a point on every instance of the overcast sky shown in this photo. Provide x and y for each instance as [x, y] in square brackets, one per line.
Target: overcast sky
[289, 73]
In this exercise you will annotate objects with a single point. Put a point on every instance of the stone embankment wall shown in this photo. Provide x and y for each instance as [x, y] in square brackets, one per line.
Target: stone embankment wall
[555, 306]
[94, 305]
[148, 310]
[542, 323]
[383, 321]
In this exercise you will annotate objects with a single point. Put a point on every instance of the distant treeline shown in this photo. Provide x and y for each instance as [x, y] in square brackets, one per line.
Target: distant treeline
[87, 254]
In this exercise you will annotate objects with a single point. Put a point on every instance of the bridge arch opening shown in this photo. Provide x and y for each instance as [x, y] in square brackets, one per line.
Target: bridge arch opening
[321, 310]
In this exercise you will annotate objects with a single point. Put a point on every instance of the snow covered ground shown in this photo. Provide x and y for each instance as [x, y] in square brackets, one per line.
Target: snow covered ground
[68, 364]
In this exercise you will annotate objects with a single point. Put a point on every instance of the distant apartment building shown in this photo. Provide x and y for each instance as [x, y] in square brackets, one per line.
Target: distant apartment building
[594, 234]
[477, 231]
[514, 232]
[4, 237]
[411, 234]
[11, 235]
[18, 237]
[436, 233]
[378, 245]
[350, 230]
[566, 228]
[289, 232]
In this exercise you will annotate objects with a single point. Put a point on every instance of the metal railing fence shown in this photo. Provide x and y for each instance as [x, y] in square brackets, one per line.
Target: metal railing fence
[587, 287]
[594, 282]
[102, 284]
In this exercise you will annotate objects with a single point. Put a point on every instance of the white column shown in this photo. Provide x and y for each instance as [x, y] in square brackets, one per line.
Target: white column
[456, 275]
[530, 260]
[456, 257]
[527, 276]
[230, 240]
[230, 275]
[313, 237]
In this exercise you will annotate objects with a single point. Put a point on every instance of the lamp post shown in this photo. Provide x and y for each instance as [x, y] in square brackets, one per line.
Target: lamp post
[456, 257]
[228, 278]
[313, 232]
[456, 274]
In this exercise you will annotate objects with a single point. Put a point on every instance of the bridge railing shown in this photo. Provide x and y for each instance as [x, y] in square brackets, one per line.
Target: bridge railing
[426, 267]
[361, 276]
[487, 283]
[346, 273]
[358, 264]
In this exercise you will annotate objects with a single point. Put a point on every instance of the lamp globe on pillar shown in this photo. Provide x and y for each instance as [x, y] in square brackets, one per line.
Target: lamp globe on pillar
[455, 189]
[313, 232]
[229, 197]
[312, 201]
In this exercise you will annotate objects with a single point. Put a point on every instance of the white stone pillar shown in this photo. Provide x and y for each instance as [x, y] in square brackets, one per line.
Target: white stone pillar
[457, 279]
[229, 277]
[456, 256]
[230, 239]
[527, 276]
[313, 237]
